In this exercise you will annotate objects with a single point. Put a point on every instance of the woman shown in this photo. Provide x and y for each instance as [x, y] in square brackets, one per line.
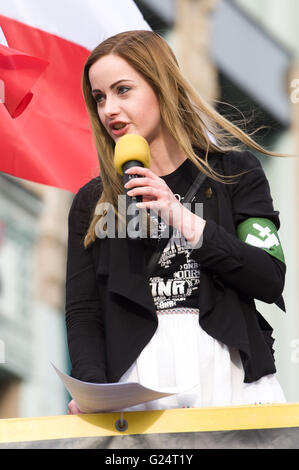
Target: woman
[192, 322]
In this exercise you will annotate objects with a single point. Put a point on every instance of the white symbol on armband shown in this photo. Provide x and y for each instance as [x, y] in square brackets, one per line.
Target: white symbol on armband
[271, 238]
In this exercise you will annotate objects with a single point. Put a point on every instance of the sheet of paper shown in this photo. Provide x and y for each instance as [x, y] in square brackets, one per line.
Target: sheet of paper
[97, 398]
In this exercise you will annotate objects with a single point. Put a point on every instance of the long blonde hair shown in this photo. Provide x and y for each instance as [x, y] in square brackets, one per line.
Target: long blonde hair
[193, 123]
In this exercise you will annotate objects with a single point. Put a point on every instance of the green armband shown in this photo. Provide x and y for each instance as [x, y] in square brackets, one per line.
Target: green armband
[263, 234]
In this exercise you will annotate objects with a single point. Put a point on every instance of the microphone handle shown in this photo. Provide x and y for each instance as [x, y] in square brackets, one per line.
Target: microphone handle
[126, 177]
[131, 201]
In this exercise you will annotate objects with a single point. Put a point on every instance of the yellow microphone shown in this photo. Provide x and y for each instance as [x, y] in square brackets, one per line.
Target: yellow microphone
[131, 150]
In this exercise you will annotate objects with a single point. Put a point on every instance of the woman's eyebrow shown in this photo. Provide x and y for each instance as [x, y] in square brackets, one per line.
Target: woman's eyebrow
[114, 84]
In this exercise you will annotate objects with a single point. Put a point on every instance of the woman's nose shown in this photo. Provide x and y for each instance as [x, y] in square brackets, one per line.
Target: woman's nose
[111, 106]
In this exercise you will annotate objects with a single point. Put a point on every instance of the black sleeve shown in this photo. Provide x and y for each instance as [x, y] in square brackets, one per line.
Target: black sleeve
[84, 324]
[248, 269]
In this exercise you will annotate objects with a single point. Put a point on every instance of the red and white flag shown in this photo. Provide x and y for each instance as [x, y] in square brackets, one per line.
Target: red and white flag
[50, 142]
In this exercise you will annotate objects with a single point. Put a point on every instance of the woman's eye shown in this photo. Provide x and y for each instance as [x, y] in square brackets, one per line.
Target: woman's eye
[123, 89]
[98, 98]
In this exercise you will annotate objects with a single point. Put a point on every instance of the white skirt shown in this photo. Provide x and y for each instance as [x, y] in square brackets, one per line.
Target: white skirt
[183, 356]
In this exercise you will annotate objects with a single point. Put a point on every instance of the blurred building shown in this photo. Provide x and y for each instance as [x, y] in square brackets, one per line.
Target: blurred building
[237, 52]
[32, 276]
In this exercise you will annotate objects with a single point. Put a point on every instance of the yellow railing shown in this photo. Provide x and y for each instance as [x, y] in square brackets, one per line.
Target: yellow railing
[194, 420]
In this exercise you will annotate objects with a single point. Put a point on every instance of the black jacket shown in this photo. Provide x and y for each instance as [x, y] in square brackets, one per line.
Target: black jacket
[110, 313]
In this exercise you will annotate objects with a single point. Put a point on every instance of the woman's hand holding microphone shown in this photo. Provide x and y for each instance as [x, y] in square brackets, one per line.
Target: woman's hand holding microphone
[157, 196]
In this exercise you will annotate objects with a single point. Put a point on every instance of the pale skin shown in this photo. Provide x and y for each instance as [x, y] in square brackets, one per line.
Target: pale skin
[123, 95]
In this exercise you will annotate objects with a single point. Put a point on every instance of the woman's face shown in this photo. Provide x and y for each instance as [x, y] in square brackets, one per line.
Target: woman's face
[126, 103]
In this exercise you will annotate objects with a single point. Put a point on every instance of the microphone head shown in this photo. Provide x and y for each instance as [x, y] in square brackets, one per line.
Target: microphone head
[131, 147]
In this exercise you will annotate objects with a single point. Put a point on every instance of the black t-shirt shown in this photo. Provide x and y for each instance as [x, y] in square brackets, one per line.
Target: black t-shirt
[175, 280]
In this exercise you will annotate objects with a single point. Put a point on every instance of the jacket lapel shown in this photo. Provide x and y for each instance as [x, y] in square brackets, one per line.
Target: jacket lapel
[122, 259]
